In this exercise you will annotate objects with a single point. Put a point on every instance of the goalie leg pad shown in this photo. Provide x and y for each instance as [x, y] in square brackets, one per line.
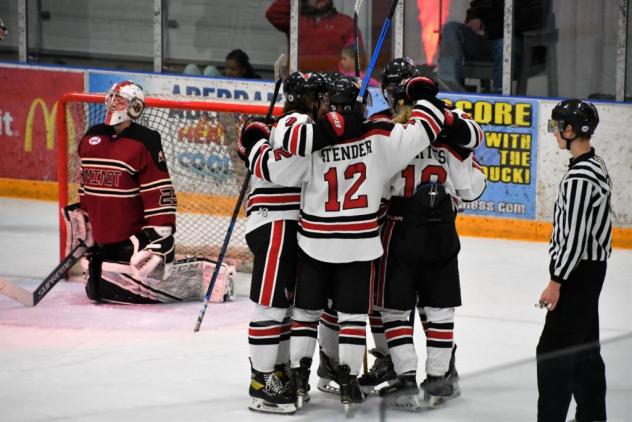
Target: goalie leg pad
[77, 227]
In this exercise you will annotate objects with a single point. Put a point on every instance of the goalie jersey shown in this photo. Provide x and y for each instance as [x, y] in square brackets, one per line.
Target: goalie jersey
[125, 184]
[342, 184]
[448, 162]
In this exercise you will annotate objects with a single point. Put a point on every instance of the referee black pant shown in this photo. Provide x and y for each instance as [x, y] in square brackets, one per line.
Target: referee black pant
[568, 355]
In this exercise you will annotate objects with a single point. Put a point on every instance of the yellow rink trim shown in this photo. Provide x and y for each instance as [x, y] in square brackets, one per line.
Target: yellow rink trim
[220, 205]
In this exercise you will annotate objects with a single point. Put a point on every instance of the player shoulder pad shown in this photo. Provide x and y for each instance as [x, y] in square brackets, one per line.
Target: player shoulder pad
[151, 140]
[99, 129]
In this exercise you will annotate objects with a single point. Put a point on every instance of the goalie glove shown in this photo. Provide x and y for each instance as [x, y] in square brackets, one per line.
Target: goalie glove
[77, 227]
[153, 247]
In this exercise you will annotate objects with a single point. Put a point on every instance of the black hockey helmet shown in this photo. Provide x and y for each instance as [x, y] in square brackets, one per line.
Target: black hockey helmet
[304, 92]
[343, 94]
[293, 86]
[580, 114]
[394, 72]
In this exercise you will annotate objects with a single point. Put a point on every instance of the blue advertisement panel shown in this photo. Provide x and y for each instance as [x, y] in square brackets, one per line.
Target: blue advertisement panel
[508, 155]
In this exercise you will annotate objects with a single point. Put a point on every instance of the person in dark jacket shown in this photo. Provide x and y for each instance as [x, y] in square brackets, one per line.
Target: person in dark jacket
[481, 37]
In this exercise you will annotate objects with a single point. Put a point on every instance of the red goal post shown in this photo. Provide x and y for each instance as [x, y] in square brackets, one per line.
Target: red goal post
[198, 138]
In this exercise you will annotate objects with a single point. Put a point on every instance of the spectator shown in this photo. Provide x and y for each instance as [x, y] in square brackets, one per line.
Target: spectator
[193, 69]
[481, 37]
[238, 66]
[3, 30]
[346, 66]
[322, 32]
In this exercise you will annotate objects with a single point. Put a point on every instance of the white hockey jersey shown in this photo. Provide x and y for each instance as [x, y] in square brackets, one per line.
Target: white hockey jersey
[452, 166]
[268, 201]
[343, 184]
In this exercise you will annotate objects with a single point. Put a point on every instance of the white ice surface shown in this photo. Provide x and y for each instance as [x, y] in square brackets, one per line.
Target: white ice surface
[68, 359]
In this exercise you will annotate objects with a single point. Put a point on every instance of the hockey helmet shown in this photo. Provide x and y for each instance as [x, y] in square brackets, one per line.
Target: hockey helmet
[580, 114]
[124, 101]
[394, 72]
[343, 94]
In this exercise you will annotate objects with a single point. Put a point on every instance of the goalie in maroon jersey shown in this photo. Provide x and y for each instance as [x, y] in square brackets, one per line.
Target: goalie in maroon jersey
[127, 196]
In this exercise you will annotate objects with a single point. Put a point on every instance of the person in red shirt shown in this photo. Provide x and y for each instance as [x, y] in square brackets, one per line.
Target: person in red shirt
[322, 32]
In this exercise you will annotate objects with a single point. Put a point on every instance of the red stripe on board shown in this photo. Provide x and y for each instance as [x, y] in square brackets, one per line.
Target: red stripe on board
[272, 263]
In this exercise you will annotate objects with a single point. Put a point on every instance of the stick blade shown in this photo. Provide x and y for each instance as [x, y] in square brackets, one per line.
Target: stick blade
[16, 293]
[281, 67]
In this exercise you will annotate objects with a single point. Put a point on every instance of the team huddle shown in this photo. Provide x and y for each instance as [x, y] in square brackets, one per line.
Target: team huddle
[349, 219]
[353, 218]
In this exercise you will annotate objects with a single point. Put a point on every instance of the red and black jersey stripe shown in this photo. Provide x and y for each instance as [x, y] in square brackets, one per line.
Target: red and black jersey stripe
[342, 227]
[274, 199]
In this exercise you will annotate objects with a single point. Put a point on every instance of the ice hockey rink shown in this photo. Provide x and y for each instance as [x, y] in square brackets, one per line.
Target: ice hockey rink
[70, 360]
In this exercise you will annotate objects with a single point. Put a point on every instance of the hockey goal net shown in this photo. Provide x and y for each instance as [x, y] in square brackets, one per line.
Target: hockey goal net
[198, 138]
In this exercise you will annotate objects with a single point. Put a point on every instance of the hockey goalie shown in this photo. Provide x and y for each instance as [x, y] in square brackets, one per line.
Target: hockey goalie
[126, 214]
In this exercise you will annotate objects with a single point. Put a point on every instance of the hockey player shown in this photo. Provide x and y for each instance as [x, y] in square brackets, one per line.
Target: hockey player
[127, 195]
[338, 230]
[420, 261]
[271, 232]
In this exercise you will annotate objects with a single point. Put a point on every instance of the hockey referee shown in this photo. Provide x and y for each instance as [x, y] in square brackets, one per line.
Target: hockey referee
[569, 361]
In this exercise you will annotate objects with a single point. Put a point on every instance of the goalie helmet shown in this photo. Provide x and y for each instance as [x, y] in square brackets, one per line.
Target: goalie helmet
[124, 101]
[580, 114]
[394, 72]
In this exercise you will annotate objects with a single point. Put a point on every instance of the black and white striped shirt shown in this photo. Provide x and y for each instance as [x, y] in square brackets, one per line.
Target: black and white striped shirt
[582, 227]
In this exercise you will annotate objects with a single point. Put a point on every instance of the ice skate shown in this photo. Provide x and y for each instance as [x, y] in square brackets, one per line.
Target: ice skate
[351, 393]
[382, 371]
[403, 393]
[300, 381]
[269, 395]
[453, 375]
[437, 390]
[328, 374]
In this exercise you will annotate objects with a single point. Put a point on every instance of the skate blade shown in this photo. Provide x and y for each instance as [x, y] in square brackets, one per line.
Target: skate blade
[301, 399]
[328, 386]
[260, 405]
[350, 409]
[410, 403]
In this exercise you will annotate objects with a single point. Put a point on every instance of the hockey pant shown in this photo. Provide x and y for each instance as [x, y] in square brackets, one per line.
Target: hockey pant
[351, 337]
[269, 337]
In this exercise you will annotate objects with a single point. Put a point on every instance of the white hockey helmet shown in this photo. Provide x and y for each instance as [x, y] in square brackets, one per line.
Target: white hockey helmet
[124, 101]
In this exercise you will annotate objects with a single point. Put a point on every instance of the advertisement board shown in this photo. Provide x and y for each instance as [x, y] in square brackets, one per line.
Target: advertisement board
[27, 120]
[508, 156]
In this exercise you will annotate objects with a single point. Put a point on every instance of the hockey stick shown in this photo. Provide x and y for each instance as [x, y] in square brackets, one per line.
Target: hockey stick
[280, 62]
[356, 37]
[33, 298]
[376, 52]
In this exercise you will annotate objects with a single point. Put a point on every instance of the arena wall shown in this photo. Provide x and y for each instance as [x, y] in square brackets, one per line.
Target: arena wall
[523, 162]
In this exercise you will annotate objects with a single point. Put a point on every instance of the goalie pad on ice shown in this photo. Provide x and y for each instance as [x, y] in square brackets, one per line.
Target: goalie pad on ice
[188, 281]
[77, 227]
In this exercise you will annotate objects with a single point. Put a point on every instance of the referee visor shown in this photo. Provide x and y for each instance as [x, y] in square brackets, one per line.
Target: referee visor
[554, 125]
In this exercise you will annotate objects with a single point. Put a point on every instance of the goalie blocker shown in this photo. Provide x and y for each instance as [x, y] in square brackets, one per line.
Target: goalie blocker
[115, 273]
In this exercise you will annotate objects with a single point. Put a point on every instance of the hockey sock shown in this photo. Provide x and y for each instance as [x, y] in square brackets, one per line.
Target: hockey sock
[423, 318]
[439, 340]
[352, 340]
[377, 329]
[264, 335]
[399, 335]
[328, 332]
[303, 337]
[283, 356]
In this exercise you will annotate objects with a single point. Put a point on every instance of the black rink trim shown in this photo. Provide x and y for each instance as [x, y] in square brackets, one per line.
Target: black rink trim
[438, 344]
[400, 342]
[352, 340]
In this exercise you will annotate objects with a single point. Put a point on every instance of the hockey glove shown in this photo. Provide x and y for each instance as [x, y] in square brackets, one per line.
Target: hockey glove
[418, 88]
[153, 246]
[334, 127]
[252, 132]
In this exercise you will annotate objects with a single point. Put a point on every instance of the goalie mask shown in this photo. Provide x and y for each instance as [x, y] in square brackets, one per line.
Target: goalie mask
[124, 101]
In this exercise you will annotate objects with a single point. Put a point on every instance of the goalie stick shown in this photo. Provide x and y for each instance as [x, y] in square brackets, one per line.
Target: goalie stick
[33, 298]
[356, 37]
[376, 52]
[278, 73]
